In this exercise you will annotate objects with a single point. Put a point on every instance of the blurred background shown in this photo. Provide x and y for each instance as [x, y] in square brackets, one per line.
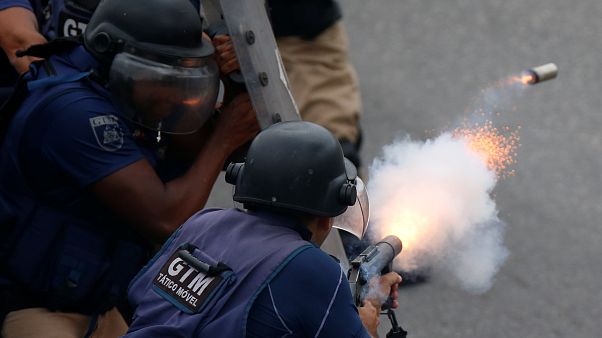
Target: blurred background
[421, 65]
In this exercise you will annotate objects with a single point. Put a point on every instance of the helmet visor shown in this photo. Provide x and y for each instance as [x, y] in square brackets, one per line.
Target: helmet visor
[355, 219]
[176, 97]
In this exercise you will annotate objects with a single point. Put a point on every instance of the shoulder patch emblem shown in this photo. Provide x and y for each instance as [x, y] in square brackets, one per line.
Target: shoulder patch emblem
[107, 131]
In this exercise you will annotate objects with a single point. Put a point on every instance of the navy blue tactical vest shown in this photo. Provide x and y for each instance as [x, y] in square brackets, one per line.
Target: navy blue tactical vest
[176, 295]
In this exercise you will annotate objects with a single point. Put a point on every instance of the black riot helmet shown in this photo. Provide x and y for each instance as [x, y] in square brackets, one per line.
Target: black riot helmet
[160, 67]
[297, 166]
[168, 28]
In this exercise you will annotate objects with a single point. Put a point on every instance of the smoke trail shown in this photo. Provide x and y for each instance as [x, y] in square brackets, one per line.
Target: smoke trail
[497, 98]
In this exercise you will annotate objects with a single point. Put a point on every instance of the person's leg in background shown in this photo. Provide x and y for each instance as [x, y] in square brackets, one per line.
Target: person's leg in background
[324, 84]
[325, 87]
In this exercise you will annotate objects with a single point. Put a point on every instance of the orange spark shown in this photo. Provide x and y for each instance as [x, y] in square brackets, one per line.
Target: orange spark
[527, 79]
[496, 147]
[524, 79]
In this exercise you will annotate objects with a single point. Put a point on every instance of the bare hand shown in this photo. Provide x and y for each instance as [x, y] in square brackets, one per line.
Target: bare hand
[237, 123]
[369, 316]
[225, 55]
[383, 288]
[18, 31]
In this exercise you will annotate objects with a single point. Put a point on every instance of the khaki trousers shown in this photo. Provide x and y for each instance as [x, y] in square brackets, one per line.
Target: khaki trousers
[323, 81]
[42, 323]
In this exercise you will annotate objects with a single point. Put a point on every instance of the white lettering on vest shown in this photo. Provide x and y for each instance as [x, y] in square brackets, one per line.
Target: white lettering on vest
[199, 283]
[190, 270]
[73, 28]
[175, 268]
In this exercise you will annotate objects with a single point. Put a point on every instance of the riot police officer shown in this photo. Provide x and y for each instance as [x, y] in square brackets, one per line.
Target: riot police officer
[113, 143]
[260, 272]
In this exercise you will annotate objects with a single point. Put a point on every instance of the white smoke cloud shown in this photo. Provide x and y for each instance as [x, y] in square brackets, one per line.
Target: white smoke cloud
[436, 197]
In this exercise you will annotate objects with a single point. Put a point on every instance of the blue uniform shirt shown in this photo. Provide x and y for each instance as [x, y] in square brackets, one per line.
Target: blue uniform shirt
[78, 139]
[310, 297]
[65, 136]
[81, 142]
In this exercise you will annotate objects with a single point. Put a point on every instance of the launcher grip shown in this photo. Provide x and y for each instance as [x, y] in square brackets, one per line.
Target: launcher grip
[372, 262]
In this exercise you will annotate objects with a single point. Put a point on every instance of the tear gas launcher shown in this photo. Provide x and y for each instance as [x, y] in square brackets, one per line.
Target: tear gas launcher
[374, 261]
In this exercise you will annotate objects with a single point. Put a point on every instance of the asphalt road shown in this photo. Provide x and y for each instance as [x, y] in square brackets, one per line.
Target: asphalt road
[420, 64]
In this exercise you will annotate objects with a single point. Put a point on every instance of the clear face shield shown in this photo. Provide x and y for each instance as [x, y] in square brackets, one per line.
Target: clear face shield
[171, 95]
[355, 219]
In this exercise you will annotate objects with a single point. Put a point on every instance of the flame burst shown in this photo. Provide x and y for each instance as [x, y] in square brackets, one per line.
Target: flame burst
[496, 147]
[524, 79]
[408, 224]
[432, 195]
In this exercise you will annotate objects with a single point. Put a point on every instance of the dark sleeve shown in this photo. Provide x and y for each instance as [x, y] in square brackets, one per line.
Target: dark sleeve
[304, 18]
[85, 141]
[309, 297]
[15, 3]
